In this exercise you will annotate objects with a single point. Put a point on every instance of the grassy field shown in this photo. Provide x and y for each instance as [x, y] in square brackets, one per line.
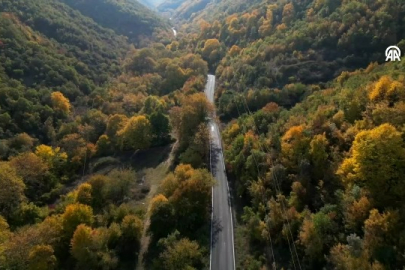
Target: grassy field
[151, 167]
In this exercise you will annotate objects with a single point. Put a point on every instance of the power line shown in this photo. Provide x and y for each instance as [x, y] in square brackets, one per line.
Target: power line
[277, 186]
[263, 198]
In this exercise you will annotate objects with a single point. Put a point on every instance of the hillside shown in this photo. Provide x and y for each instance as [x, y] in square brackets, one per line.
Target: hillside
[80, 110]
[153, 4]
[105, 146]
[320, 182]
[192, 11]
[128, 18]
[312, 112]
[270, 46]
[47, 46]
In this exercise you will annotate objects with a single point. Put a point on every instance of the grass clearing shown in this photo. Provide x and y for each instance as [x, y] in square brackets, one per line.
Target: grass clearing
[151, 167]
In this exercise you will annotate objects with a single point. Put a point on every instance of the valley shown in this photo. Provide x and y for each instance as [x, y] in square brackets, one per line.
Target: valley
[201, 134]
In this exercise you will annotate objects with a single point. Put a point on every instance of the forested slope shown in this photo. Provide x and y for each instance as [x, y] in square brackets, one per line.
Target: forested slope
[314, 135]
[329, 176]
[128, 18]
[287, 42]
[77, 100]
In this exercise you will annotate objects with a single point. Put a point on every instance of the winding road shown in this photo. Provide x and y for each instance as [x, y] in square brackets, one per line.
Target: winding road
[222, 242]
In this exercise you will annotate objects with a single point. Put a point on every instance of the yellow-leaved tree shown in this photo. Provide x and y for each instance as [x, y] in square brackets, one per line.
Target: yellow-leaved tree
[136, 134]
[387, 89]
[294, 145]
[60, 103]
[377, 161]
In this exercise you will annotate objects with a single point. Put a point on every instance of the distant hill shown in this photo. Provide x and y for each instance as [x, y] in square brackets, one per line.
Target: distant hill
[47, 34]
[193, 10]
[129, 18]
[150, 3]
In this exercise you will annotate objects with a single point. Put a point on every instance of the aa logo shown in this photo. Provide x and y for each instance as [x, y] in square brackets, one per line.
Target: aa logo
[393, 53]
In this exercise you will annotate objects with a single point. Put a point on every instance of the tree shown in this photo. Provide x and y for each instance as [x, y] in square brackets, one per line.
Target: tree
[60, 103]
[35, 173]
[96, 123]
[380, 229]
[197, 152]
[5, 232]
[267, 26]
[342, 258]
[294, 145]
[115, 123]
[288, 13]
[84, 194]
[186, 120]
[161, 212]
[103, 145]
[357, 213]
[20, 143]
[377, 161]
[82, 245]
[41, 257]
[191, 200]
[11, 191]
[152, 104]
[180, 254]
[74, 215]
[137, 133]
[52, 156]
[160, 127]
[316, 233]
[119, 185]
[27, 214]
[75, 146]
[131, 227]
[98, 190]
[387, 89]
[23, 241]
[234, 51]
[319, 155]
[209, 47]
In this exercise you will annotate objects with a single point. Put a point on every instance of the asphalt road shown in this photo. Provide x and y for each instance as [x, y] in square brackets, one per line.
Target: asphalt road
[222, 242]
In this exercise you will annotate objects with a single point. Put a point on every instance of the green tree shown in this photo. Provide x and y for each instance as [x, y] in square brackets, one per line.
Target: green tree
[103, 145]
[41, 257]
[35, 173]
[84, 193]
[118, 187]
[12, 189]
[131, 228]
[319, 155]
[161, 212]
[82, 245]
[98, 190]
[115, 123]
[137, 133]
[160, 127]
[191, 200]
[180, 254]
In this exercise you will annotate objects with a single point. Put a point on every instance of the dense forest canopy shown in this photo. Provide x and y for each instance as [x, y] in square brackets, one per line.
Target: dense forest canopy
[104, 145]
[84, 88]
[313, 116]
[128, 18]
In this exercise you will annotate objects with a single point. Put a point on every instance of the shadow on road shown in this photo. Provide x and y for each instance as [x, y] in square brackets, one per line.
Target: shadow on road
[215, 152]
[216, 229]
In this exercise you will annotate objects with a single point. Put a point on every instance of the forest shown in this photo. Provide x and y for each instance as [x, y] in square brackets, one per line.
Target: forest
[312, 128]
[78, 100]
[104, 145]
